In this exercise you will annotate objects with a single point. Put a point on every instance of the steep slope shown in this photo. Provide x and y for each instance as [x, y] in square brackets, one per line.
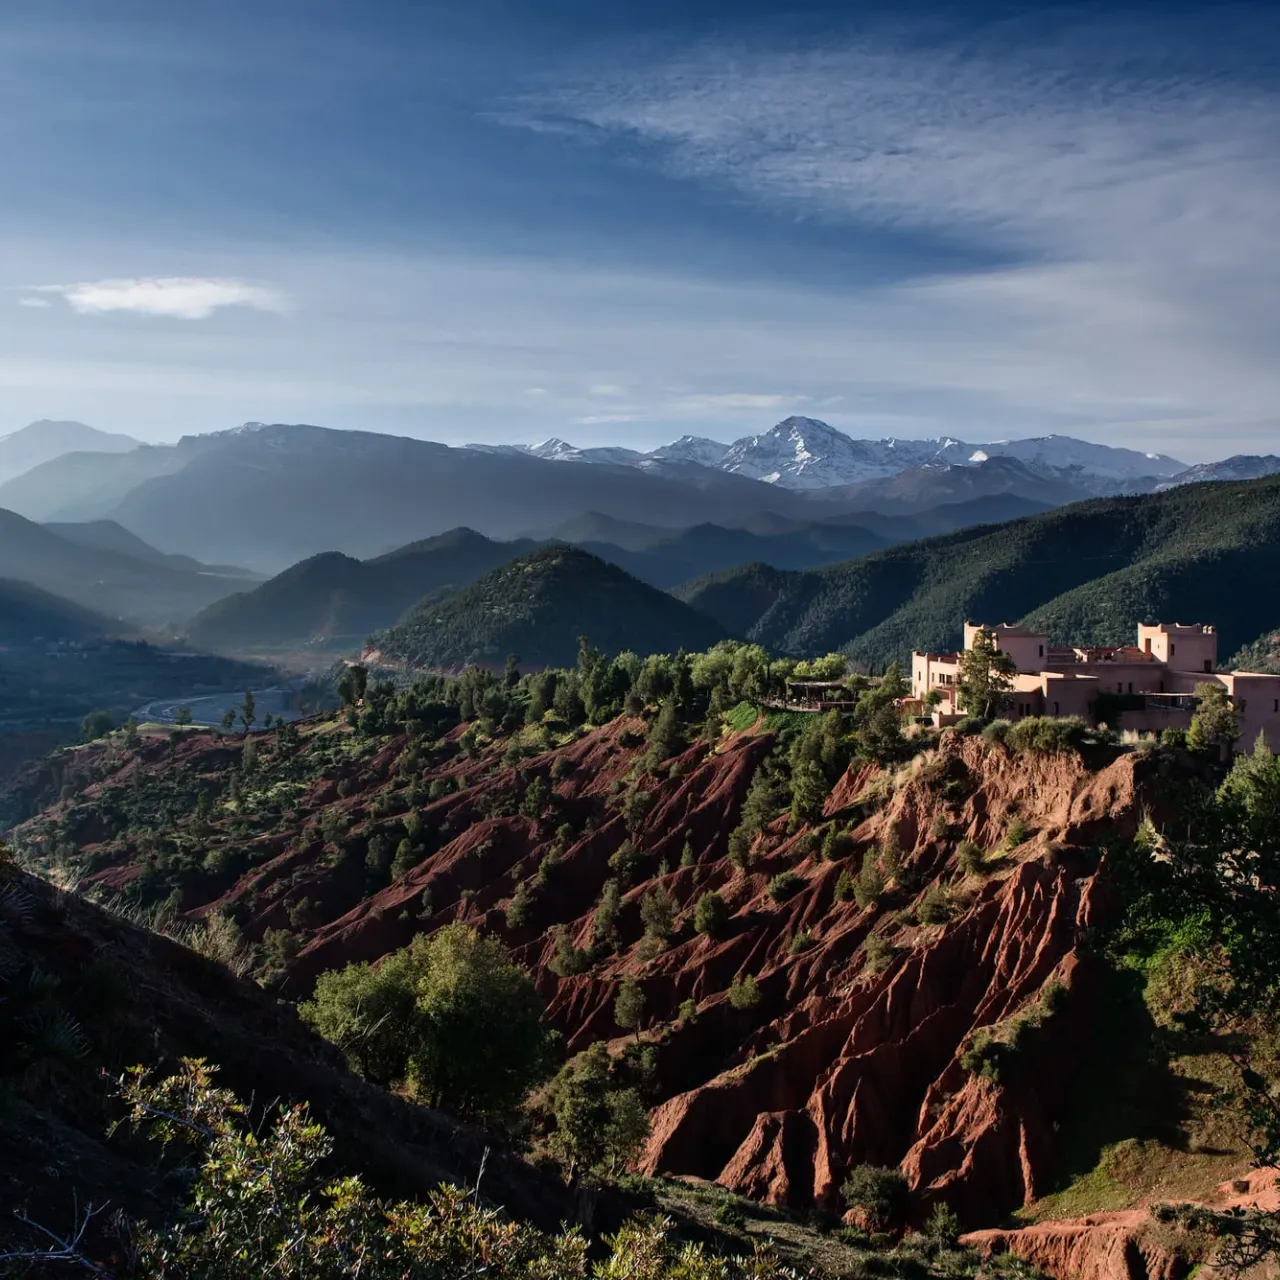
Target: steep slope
[335, 601]
[538, 606]
[856, 1044]
[119, 996]
[109, 582]
[85, 485]
[1089, 573]
[26, 613]
[107, 535]
[45, 440]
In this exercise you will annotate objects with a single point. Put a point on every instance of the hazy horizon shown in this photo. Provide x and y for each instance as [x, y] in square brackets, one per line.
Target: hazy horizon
[501, 223]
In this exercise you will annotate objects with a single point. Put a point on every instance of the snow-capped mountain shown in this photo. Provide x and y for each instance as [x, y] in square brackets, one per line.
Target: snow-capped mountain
[1064, 455]
[557, 450]
[807, 453]
[706, 453]
[1241, 466]
[562, 451]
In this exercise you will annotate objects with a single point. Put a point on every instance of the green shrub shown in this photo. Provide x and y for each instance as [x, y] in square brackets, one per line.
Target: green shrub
[627, 861]
[566, 959]
[729, 1215]
[869, 885]
[600, 1122]
[846, 889]
[970, 857]
[942, 1226]
[801, 942]
[835, 844]
[628, 1007]
[1016, 834]
[891, 855]
[880, 1194]
[519, 908]
[255, 1182]
[935, 906]
[605, 919]
[744, 992]
[878, 952]
[985, 1056]
[1047, 735]
[997, 732]
[658, 913]
[711, 915]
[688, 1011]
[784, 886]
[970, 725]
[450, 1012]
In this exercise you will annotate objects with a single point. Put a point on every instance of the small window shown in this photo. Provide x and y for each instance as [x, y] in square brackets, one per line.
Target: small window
[1277, 706]
[1042, 651]
[1208, 666]
[1173, 648]
[1130, 686]
[1055, 709]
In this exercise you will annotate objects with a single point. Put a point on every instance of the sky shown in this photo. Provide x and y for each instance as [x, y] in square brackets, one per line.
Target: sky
[621, 222]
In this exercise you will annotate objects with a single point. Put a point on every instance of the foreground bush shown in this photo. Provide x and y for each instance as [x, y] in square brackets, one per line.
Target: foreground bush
[1047, 735]
[451, 1013]
[264, 1203]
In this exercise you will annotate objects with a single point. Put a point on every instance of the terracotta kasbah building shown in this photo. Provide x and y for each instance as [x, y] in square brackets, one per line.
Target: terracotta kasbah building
[1145, 687]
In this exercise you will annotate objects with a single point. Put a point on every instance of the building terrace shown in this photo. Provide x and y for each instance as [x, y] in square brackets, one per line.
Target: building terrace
[1147, 686]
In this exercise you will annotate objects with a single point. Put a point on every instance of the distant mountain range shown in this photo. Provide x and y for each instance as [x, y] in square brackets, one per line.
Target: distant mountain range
[45, 440]
[806, 453]
[333, 601]
[1240, 466]
[336, 602]
[147, 590]
[271, 495]
[27, 614]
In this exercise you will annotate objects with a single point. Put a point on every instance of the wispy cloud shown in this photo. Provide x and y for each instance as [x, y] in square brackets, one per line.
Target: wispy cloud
[733, 402]
[177, 297]
[1130, 184]
[41, 303]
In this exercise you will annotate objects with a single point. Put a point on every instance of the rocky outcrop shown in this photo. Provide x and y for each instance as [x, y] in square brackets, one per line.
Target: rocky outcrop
[1133, 1244]
[939, 1036]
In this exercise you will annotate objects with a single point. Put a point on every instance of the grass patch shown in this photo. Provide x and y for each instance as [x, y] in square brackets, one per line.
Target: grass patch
[788, 721]
[1142, 1120]
[741, 717]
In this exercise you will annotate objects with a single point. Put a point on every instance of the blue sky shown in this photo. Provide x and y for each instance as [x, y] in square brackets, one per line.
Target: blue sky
[622, 222]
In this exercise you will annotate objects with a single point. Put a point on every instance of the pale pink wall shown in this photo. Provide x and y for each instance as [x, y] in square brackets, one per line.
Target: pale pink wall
[1257, 699]
[1028, 649]
[1069, 695]
[1182, 648]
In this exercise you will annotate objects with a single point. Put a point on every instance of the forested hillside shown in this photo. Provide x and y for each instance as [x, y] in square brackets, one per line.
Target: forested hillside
[1089, 573]
[536, 607]
[335, 601]
[842, 982]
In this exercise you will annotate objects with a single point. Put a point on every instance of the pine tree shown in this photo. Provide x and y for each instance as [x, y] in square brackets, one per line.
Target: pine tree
[985, 678]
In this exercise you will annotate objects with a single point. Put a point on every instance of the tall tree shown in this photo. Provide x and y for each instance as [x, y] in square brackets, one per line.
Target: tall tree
[986, 677]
